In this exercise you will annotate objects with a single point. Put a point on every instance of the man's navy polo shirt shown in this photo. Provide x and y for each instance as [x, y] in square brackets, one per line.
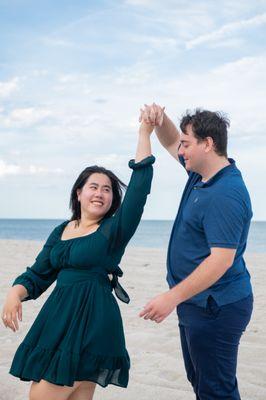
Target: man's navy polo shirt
[215, 213]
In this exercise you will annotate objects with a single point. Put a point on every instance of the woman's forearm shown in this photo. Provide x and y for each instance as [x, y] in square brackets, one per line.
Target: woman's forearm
[20, 290]
[144, 142]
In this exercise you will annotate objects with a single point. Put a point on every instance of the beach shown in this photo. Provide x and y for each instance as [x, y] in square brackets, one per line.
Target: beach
[156, 363]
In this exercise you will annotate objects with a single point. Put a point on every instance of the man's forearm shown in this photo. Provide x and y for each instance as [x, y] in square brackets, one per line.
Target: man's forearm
[167, 133]
[204, 276]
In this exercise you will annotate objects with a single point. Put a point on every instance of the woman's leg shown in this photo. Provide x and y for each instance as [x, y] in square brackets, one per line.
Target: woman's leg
[84, 392]
[46, 390]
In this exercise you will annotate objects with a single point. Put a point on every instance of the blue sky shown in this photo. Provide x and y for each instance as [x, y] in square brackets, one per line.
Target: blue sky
[73, 76]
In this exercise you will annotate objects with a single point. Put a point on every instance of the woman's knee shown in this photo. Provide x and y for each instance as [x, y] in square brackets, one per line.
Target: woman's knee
[84, 391]
[46, 390]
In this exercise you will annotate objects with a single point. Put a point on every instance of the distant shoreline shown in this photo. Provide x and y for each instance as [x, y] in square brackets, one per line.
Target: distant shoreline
[149, 234]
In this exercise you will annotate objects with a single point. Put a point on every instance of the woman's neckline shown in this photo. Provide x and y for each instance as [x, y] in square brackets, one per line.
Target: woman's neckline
[77, 237]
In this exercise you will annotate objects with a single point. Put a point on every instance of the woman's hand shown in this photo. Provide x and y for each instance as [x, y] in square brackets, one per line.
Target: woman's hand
[152, 115]
[145, 129]
[12, 307]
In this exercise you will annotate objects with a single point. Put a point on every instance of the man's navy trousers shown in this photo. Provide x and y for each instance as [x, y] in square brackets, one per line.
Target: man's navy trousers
[210, 338]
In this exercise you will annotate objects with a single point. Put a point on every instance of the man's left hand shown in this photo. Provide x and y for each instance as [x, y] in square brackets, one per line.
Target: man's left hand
[159, 307]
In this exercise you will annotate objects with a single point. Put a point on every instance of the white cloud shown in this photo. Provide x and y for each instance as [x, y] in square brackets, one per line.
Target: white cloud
[14, 169]
[238, 88]
[112, 161]
[8, 87]
[40, 72]
[37, 170]
[8, 169]
[233, 43]
[156, 42]
[25, 117]
[137, 74]
[138, 2]
[57, 42]
[227, 30]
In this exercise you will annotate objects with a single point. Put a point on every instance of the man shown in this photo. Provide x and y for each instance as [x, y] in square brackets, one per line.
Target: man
[208, 279]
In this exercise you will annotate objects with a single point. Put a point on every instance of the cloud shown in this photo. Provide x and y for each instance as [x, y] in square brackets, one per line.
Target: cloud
[227, 30]
[80, 105]
[137, 74]
[25, 117]
[156, 42]
[234, 43]
[57, 42]
[238, 88]
[111, 160]
[14, 169]
[139, 2]
[8, 87]
[8, 169]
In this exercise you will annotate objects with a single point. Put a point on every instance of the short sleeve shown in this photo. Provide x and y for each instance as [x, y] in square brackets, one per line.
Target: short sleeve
[37, 278]
[121, 227]
[224, 221]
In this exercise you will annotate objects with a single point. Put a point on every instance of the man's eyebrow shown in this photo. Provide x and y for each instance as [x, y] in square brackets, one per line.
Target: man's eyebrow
[184, 141]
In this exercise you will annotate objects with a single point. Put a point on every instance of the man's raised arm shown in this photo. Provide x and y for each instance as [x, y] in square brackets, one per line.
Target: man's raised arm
[165, 129]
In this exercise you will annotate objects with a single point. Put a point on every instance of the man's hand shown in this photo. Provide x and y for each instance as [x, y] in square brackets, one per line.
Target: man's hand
[152, 115]
[159, 307]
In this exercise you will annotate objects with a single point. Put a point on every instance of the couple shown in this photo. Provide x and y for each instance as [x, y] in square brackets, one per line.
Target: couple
[77, 339]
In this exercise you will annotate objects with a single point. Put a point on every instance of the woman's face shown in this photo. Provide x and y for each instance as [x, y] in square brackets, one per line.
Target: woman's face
[96, 196]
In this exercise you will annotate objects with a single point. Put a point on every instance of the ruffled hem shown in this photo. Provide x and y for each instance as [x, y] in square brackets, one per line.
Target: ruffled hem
[64, 368]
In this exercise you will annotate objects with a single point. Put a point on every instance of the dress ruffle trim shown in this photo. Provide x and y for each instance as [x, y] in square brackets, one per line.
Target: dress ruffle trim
[64, 368]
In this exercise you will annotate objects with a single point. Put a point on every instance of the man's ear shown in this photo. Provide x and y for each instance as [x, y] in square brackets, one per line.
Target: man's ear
[209, 144]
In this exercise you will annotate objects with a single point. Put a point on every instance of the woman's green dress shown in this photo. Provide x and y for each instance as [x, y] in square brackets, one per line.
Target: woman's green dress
[78, 334]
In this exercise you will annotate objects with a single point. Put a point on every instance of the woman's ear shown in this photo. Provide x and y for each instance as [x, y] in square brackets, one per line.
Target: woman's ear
[78, 193]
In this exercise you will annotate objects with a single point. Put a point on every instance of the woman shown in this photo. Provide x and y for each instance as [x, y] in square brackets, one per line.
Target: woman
[77, 339]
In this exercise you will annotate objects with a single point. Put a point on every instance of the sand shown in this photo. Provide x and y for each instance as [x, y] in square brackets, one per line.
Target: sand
[157, 366]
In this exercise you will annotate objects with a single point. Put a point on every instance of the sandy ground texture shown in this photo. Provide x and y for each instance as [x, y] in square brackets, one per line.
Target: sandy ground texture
[157, 366]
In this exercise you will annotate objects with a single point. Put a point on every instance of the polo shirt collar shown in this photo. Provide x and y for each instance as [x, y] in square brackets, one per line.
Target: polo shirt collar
[224, 171]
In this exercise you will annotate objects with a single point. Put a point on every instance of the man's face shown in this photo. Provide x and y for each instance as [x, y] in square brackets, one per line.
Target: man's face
[192, 150]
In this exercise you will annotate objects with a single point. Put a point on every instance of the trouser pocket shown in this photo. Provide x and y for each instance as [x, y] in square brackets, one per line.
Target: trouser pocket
[212, 307]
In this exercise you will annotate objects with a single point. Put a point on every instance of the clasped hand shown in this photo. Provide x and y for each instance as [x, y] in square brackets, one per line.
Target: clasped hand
[152, 115]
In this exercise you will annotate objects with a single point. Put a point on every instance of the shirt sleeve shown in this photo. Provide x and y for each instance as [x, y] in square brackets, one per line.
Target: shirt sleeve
[121, 227]
[224, 221]
[37, 278]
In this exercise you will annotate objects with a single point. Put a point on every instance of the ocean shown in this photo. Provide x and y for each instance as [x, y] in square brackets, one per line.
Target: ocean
[150, 233]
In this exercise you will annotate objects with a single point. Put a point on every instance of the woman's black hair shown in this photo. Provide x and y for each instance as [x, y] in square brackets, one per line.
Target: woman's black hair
[117, 186]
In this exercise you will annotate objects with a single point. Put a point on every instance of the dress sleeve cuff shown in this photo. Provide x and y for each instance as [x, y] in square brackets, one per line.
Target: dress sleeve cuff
[24, 283]
[143, 163]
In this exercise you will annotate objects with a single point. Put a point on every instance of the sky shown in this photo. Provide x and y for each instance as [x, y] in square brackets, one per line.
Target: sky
[73, 76]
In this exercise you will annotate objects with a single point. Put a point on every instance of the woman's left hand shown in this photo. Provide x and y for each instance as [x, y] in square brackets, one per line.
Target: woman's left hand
[159, 307]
